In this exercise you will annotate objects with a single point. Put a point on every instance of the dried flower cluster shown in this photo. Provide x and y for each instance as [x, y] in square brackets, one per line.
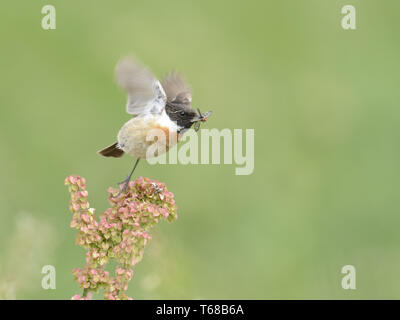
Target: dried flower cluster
[120, 234]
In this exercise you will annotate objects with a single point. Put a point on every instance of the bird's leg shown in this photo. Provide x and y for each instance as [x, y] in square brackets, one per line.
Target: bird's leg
[126, 181]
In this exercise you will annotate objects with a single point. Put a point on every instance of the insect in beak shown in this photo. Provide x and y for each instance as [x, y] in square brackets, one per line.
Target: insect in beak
[200, 118]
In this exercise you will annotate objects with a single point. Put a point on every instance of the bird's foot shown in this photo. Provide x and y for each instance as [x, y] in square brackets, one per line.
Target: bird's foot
[124, 187]
[128, 177]
[126, 181]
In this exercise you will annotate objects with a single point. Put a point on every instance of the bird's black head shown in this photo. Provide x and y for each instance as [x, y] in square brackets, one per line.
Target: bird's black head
[180, 111]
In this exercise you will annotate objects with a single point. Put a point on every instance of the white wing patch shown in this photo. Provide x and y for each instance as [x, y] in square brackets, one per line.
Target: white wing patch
[145, 93]
[157, 105]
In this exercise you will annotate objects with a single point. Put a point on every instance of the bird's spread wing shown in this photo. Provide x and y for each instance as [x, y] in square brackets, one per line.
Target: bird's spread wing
[145, 93]
[175, 86]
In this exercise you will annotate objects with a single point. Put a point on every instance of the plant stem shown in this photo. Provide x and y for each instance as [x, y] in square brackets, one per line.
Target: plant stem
[85, 292]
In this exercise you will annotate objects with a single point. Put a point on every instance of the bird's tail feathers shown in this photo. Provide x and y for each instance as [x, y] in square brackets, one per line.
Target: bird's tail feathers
[112, 151]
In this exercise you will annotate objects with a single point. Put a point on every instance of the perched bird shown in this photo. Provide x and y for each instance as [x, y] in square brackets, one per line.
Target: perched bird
[166, 106]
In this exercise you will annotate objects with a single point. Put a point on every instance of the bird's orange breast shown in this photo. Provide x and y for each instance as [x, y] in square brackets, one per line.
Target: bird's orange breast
[146, 138]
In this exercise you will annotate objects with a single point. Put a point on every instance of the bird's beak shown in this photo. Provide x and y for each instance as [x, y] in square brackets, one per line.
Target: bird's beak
[200, 117]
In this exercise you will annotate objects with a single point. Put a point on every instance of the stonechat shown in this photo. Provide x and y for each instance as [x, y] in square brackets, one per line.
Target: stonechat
[165, 106]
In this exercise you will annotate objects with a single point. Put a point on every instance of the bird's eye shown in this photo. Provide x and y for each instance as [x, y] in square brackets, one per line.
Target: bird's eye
[182, 113]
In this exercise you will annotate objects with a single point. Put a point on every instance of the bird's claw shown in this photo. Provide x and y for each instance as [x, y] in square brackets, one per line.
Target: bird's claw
[123, 181]
[126, 181]
[124, 188]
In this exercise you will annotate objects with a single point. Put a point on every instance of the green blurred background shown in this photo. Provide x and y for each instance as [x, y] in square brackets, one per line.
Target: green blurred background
[324, 105]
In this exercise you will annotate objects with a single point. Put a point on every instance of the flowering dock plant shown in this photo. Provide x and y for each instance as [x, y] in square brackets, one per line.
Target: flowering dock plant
[121, 233]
